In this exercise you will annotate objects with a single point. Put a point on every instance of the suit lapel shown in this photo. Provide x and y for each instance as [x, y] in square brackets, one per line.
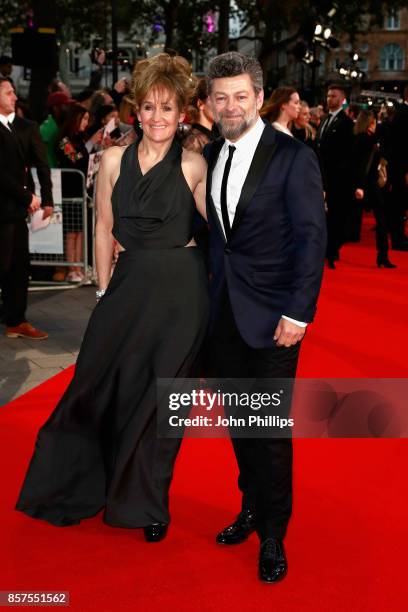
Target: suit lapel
[14, 137]
[333, 123]
[212, 160]
[260, 161]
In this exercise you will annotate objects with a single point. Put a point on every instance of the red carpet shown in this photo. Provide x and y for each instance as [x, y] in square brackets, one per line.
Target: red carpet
[348, 538]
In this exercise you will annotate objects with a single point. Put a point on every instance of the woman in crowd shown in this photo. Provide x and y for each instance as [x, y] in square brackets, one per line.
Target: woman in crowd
[370, 179]
[201, 130]
[100, 447]
[301, 128]
[73, 154]
[282, 109]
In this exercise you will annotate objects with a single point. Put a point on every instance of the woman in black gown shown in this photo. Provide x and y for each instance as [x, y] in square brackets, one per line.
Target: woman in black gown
[99, 448]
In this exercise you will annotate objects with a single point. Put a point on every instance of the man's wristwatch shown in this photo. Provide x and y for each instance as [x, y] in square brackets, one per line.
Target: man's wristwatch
[100, 293]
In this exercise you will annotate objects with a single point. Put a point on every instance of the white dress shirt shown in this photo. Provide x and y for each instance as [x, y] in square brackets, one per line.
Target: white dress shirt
[244, 151]
[6, 119]
[282, 128]
[330, 118]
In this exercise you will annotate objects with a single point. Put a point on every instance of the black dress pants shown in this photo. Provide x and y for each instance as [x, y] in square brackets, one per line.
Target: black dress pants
[265, 464]
[376, 200]
[339, 202]
[14, 266]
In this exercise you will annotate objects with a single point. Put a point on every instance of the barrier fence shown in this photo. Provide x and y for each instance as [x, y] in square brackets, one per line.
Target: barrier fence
[66, 242]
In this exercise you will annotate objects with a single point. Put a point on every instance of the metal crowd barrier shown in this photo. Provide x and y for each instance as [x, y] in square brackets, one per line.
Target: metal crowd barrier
[74, 220]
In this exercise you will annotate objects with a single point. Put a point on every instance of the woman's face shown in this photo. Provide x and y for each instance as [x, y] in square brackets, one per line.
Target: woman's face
[83, 124]
[304, 116]
[159, 115]
[292, 108]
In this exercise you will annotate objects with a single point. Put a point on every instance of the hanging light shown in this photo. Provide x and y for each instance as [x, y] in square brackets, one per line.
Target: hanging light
[318, 29]
[327, 33]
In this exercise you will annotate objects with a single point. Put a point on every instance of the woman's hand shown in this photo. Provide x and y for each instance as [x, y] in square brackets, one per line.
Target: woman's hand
[359, 194]
[96, 139]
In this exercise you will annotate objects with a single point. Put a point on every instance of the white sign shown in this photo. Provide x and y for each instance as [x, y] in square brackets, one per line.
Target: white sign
[45, 235]
[56, 184]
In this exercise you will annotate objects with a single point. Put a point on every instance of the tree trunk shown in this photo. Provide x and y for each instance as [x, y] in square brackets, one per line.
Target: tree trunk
[223, 26]
[171, 12]
[42, 75]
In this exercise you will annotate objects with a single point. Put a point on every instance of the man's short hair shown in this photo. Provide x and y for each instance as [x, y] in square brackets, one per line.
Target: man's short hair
[233, 64]
[338, 86]
[5, 59]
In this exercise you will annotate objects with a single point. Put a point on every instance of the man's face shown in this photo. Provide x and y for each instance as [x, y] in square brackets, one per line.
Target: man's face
[235, 105]
[8, 98]
[335, 99]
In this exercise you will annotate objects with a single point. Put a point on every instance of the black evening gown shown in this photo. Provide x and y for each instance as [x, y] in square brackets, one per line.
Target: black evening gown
[99, 448]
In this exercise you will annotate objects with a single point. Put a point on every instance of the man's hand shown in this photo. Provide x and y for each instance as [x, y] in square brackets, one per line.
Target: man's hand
[34, 204]
[288, 333]
[47, 211]
[116, 251]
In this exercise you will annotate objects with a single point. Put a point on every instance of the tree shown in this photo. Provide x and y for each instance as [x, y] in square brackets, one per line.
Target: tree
[274, 17]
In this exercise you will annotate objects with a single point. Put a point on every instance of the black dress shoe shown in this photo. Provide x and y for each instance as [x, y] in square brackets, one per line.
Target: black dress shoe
[240, 530]
[155, 532]
[384, 262]
[272, 561]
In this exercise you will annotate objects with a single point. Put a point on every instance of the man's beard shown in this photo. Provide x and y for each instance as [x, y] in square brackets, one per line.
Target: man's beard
[232, 132]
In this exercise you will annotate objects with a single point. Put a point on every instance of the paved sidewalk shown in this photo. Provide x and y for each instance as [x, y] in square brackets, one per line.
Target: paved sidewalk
[24, 364]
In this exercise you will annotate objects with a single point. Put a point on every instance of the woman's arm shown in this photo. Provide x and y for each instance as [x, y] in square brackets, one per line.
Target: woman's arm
[108, 171]
[195, 170]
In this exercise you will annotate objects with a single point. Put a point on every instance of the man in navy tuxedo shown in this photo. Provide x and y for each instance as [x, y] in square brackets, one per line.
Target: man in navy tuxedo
[267, 246]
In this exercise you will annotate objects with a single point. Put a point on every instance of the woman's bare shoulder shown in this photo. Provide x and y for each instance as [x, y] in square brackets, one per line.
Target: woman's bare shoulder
[194, 160]
[110, 159]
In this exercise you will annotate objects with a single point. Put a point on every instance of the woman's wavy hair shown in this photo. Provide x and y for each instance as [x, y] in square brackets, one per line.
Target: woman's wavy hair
[272, 108]
[73, 117]
[165, 73]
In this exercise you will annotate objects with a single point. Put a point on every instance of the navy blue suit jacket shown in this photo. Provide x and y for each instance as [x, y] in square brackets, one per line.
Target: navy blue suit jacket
[273, 263]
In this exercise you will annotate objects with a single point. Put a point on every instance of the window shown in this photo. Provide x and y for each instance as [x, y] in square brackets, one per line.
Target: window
[363, 64]
[392, 20]
[392, 57]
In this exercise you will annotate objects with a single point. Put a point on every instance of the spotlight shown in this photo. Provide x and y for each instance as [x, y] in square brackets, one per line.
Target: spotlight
[327, 33]
[318, 29]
